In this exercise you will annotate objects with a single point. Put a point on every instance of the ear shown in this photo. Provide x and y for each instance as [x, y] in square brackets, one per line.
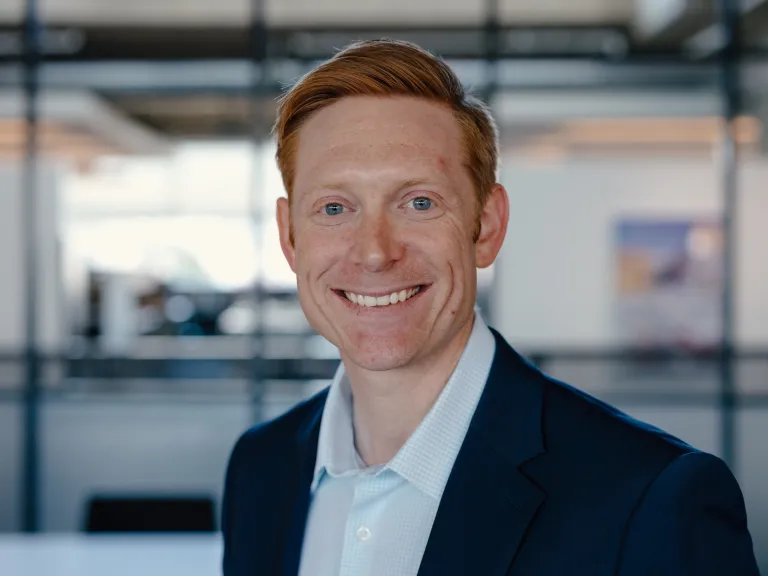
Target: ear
[493, 227]
[284, 227]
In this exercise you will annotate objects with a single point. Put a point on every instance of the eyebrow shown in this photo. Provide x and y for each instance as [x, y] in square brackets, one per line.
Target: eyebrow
[417, 182]
[410, 183]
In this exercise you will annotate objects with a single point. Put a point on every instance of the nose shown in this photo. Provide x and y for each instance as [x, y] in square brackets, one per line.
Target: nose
[375, 244]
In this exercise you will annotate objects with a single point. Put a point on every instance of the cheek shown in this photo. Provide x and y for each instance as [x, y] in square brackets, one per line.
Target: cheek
[456, 247]
[447, 246]
[458, 253]
[316, 252]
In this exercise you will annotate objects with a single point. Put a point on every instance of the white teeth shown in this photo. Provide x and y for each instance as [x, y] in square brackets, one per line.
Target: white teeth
[372, 301]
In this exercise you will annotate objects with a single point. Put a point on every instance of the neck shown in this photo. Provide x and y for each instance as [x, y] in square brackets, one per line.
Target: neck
[390, 405]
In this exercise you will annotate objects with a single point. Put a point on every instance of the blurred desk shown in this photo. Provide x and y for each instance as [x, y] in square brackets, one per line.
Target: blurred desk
[108, 555]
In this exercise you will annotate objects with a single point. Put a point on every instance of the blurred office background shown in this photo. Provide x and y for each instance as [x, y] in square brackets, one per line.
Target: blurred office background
[147, 317]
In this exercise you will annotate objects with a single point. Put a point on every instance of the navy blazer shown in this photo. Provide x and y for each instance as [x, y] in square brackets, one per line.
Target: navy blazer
[549, 481]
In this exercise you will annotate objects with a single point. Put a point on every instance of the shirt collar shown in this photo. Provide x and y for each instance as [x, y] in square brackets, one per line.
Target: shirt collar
[427, 458]
[336, 453]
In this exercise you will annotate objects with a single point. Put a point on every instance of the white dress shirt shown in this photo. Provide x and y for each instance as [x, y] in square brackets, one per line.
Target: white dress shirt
[376, 521]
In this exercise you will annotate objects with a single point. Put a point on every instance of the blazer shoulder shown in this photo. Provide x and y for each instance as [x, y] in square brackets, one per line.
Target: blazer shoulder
[690, 520]
[581, 431]
[275, 433]
[579, 421]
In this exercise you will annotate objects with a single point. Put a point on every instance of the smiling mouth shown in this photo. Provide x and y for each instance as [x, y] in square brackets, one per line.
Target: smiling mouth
[391, 299]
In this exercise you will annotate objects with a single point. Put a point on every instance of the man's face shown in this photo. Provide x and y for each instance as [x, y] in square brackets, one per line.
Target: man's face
[383, 213]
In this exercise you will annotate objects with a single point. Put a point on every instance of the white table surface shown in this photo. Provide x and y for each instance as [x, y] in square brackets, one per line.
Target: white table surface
[110, 555]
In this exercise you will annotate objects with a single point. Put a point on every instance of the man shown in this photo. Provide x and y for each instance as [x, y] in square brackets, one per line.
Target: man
[437, 449]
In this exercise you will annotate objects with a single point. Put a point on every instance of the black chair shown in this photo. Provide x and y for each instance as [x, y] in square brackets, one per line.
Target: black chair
[150, 513]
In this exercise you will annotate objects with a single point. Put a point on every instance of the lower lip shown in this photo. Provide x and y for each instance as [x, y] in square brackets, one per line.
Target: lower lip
[391, 307]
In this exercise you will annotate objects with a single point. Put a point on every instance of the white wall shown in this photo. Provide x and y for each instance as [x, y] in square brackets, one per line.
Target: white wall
[752, 257]
[132, 447]
[50, 323]
[555, 283]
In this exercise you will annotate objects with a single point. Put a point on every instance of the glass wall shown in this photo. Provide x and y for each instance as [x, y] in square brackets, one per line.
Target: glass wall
[166, 321]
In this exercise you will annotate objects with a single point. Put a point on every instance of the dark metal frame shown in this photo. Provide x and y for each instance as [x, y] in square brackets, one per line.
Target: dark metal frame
[31, 453]
[116, 43]
[69, 43]
[490, 43]
[259, 56]
[730, 58]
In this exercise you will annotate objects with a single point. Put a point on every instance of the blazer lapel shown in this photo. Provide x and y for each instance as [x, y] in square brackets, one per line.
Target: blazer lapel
[488, 503]
[299, 506]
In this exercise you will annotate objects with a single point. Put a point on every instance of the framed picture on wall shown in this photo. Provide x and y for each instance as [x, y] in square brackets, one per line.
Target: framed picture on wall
[669, 282]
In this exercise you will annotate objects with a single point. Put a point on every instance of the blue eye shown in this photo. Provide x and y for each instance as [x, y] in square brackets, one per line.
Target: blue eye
[422, 204]
[333, 209]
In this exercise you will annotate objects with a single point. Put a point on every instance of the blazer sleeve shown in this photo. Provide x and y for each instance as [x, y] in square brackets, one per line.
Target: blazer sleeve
[226, 508]
[691, 521]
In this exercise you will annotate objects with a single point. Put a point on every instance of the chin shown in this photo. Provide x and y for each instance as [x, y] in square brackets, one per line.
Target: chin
[377, 356]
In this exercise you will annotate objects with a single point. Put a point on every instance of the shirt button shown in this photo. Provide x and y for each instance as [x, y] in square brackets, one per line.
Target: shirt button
[363, 533]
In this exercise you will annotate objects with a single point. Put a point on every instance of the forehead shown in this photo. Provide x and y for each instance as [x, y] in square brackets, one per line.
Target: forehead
[366, 129]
